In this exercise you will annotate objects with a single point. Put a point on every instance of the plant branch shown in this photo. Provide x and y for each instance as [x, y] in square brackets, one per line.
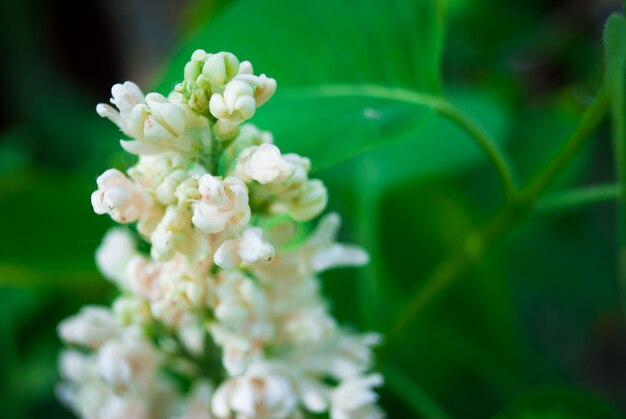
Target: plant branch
[482, 139]
[591, 118]
[579, 197]
[451, 269]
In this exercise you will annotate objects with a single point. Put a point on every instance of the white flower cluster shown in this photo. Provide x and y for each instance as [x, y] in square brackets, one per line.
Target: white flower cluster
[224, 317]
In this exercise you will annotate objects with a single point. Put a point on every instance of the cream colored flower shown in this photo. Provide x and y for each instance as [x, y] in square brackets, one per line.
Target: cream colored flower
[125, 97]
[263, 163]
[308, 204]
[127, 363]
[250, 248]
[175, 233]
[236, 104]
[119, 197]
[142, 277]
[354, 398]
[223, 203]
[181, 281]
[318, 253]
[219, 69]
[262, 393]
[264, 87]
[228, 297]
[114, 254]
[157, 125]
[243, 324]
[91, 327]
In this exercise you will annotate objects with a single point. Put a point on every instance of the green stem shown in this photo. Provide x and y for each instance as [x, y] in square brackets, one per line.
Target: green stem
[443, 107]
[579, 197]
[449, 270]
[369, 290]
[216, 153]
[483, 140]
[591, 118]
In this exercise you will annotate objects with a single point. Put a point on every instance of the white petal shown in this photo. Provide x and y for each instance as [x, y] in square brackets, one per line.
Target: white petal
[226, 255]
[338, 255]
[140, 149]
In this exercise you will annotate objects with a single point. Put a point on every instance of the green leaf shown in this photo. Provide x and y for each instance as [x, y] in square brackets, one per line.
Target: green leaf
[302, 44]
[440, 148]
[558, 402]
[464, 346]
[352, 75]
[540, 131]
[330, 124]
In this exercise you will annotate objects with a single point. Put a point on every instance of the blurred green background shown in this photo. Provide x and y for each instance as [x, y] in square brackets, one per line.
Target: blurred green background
[534, 329]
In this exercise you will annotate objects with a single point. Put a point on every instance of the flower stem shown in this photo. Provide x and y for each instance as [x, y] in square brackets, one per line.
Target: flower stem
[216, 153]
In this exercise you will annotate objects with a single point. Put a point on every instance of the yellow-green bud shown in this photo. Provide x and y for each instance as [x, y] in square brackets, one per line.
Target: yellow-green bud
[220, 68]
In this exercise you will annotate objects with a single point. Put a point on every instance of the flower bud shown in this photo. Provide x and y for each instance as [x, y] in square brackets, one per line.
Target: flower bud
[157, 125]
[220, 68]
[171, 233]
[125, 97]
[91, 327]
[311, 201]
[236, 104]
[225, 130]
[264, 164]
[250, 248]
[264, 87]
[355, 397]
[224, 203]
[125, 363]
[260, 392]
[131, 310]
[74, 366]
[245, 67]
[194, 67]
[119, 197]
[113, 255]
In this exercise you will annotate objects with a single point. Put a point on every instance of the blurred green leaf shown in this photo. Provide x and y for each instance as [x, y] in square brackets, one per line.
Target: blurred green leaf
[39, 212]
[439, 149]
[559, 402]
[350, 74]
[465, 345]
[330, 124]
[313, 43]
